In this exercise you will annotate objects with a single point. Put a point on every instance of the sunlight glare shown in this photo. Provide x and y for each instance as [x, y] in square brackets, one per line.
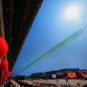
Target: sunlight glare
[72, 12]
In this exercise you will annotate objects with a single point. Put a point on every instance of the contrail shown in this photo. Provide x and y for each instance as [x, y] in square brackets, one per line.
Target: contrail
[68, 39]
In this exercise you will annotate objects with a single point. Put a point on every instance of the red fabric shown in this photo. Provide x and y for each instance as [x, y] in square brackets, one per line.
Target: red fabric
[4, 72]
[4, 64]
[3, 77]
[3, 47]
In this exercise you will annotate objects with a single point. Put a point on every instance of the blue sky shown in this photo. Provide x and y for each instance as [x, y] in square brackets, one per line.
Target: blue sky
[50, 28]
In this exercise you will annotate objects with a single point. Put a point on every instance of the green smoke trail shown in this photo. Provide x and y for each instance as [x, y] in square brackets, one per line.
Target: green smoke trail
[68, 39]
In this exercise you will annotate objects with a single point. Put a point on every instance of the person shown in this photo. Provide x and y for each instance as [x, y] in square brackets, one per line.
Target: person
[4, 71]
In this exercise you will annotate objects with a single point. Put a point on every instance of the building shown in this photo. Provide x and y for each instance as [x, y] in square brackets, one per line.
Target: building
[16, 19]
